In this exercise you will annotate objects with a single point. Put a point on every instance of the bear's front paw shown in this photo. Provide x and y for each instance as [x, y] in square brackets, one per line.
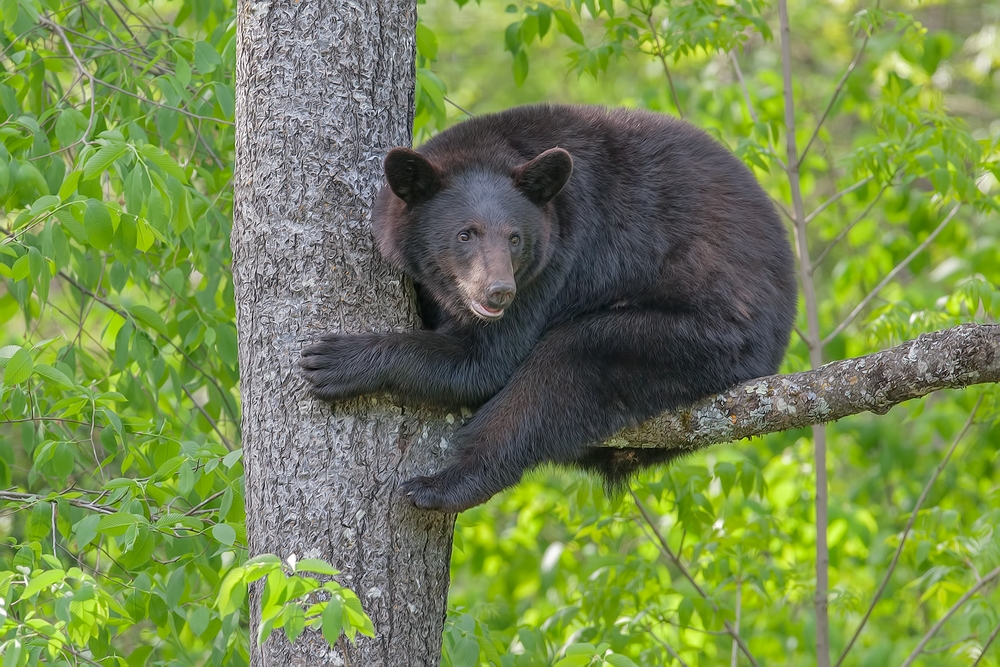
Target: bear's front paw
[341, 366]
[446, 491]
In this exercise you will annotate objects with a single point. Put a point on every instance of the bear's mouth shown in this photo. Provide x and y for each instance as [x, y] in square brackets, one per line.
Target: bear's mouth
[484, 312]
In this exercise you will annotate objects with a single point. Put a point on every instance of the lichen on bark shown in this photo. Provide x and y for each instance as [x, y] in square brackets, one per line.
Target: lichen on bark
[964, 355]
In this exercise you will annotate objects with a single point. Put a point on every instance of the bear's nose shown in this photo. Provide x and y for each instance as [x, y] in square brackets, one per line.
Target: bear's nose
[500, 294]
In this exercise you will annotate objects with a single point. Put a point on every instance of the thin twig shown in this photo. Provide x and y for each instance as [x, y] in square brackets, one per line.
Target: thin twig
[83, 71]
[669, 553]
[124, 313]
[836, 94]
[801, 334]
[815, 343]
[743, 84]
[847, 230]
[835, 198]
[892, 274]
[909, 526]
[948, 614]
[34, 498]
[986, 646]
[663, 59]
[666, 646]
[753, 114]
[215, 427]
[462, 109]
[735, 655]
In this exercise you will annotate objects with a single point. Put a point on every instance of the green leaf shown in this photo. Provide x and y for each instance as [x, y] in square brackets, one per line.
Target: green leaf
[465, 653]
[150, 318]
[332, 624]
[40, 582]
[118, 523]
[70, 126]
[163, 161]
[226, 98]
[224, 533]
[684, 612]
[44, 203]
[726, 472]
[294, 621]
[568, 26]
[432, 87]
[11, 649]
[97, 222]
[182, 70]
[619, 660]
[29, 181]
[10, 15]
[225, 344]
[103, 158]
[124, 242]
[520, 67]
[174, 590]
[4, 178]
[18, 368]
[206, 58]
[230, 459]
[427, 44]
[54, 376]
[135, 606]
[231, 592]
[317, 566]
[63, 460]
[86, 530]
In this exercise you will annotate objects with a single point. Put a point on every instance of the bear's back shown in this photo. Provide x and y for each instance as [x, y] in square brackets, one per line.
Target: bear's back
[657, 204]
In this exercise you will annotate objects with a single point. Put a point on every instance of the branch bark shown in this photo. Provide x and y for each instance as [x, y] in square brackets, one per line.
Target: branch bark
[964, 355]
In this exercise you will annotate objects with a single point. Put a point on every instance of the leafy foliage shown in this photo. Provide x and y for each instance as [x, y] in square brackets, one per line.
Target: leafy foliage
[124, 523]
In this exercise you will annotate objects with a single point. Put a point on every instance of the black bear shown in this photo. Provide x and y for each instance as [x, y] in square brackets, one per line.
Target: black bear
[579, 269]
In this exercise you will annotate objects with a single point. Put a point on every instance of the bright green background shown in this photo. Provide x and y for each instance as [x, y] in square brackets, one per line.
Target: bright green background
[122, 503]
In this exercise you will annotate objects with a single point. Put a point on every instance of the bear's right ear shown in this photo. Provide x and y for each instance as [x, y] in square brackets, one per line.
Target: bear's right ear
[411, 176]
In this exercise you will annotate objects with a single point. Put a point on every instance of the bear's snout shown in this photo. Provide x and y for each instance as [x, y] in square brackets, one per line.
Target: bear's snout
[500, 294]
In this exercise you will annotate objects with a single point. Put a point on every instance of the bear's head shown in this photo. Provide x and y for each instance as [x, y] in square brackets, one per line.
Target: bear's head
[471, 236]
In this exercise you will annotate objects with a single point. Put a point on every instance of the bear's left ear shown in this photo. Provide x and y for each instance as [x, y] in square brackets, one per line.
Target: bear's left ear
[411, 176]
[542, 178]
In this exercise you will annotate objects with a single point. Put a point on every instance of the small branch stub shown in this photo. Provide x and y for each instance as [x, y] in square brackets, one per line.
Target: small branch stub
[954, 358]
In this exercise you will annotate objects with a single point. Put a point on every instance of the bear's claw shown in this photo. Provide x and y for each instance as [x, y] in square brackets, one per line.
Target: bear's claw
[433, 492]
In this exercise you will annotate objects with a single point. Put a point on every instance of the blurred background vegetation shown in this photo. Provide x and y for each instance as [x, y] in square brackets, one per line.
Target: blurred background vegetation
[121, 503]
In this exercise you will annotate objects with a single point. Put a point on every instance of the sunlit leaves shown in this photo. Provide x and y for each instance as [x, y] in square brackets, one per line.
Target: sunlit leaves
[288, 599]
[113, 414]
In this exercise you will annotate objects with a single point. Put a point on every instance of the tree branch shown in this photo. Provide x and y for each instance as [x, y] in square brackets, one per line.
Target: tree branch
[965, 355]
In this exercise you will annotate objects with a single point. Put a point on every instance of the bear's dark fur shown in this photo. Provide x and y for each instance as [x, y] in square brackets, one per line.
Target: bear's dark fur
[579, 270]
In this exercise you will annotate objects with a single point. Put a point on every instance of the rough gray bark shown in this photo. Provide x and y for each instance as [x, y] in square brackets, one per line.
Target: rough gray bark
[965, 355]
[324, 90]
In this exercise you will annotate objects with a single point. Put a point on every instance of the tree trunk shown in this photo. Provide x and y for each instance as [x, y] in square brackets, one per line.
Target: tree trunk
[323, 91]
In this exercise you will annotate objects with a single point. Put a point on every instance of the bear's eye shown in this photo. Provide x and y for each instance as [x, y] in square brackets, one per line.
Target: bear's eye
[465, 236]
[515, 239]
